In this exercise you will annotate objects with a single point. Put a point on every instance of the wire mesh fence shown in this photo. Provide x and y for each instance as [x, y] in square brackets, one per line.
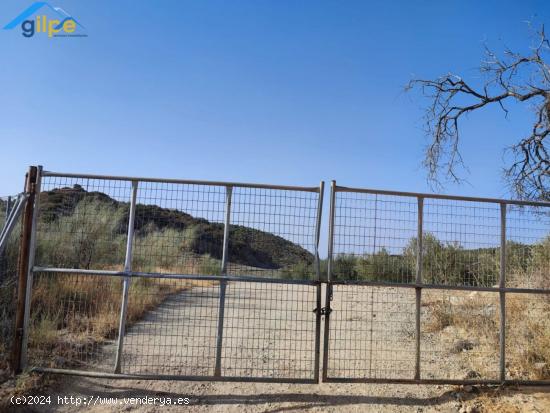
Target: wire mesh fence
[437, 288]
[138, 277]
[371, 333]
[82, 223]
[374, 237]
[269, 331]
[461, 243]
[8, 282]
[528, 247]
[266, 219]
[74, 320]
[186, 279]
[460, 332]
[527, 336]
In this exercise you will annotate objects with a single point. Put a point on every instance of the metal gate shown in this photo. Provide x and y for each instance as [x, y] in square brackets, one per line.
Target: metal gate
[130, 277]
[430, 288]
[174, 279]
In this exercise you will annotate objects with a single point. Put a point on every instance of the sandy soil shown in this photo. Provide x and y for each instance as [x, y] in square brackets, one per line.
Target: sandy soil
[269, 332]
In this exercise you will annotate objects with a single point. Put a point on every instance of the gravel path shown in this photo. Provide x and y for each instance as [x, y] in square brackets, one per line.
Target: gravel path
[269, 332]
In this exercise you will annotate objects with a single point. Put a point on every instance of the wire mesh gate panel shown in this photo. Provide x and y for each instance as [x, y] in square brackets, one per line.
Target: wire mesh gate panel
[147, 278]
[10, 223]
[432, 288]
[193, 280]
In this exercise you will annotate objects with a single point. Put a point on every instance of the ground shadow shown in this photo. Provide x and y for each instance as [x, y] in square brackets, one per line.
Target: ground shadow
[304, 401]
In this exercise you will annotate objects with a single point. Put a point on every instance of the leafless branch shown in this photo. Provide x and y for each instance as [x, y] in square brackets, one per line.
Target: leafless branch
[514, 77]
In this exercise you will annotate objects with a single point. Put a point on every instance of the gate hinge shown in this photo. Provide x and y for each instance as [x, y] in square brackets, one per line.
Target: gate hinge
[323, 311]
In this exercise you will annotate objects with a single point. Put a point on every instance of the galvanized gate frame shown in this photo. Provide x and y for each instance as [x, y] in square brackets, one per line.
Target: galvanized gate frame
[419, 285]
[321, 310]
[127, 274]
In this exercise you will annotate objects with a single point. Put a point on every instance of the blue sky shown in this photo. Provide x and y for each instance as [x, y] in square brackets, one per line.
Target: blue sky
[287, 92]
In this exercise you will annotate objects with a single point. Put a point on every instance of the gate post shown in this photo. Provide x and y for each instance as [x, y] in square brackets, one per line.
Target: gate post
[502, 294]
[418, 289]
[223, 283]
[318, 276]
[126, 282]
[24, 270]
[328, 296]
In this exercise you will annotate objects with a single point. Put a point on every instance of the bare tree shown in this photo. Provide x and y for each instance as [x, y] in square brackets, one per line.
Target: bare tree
[512, 77]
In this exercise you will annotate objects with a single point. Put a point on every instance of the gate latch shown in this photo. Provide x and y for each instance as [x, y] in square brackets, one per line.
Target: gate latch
[323, 311]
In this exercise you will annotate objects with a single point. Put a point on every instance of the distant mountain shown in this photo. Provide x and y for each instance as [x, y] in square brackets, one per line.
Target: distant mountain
[248, 246]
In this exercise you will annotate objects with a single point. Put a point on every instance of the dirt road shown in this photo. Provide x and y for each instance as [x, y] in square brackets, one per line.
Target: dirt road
[269, 331]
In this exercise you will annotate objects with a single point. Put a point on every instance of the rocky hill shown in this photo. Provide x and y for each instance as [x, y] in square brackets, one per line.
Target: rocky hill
[248, 246]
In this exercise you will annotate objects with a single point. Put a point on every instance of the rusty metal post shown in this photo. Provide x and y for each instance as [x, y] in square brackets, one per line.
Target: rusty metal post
[23, 268]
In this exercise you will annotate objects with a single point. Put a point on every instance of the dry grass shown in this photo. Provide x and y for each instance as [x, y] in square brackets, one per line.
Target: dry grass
[73, 314]
[476, 315]
[468, 311]
[440, 317]
[528, 337]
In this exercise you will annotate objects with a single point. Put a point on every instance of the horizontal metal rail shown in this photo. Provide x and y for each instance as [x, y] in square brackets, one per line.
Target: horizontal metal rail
[171, 377]
[321, 308]
[443, 287]
[439, 381]
[182, 181]
[108, 273]
[79, 271]
[440, 196]
[283, 380]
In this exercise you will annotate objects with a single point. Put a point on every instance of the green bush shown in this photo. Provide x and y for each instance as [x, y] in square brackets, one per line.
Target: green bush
[300, 271]
[90, 236]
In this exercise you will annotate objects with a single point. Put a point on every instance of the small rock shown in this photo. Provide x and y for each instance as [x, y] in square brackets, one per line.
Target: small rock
[463, 345]
[60, 361]
[472, 374]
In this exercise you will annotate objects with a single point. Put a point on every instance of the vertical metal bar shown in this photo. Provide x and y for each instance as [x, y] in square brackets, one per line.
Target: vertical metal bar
[223, 283]
[318, 275]
[126, 282]
[418, 290]
[371, 347]
[11, 222]
[8, 210]
[502, 294]
[331, 229]
[318, 229]
[34, 200]
[375, 218]
[328, 296]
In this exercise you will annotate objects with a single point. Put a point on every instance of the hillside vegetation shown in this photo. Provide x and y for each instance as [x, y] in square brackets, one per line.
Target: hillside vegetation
[88, 229]
[452, 264]
[73, 316]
